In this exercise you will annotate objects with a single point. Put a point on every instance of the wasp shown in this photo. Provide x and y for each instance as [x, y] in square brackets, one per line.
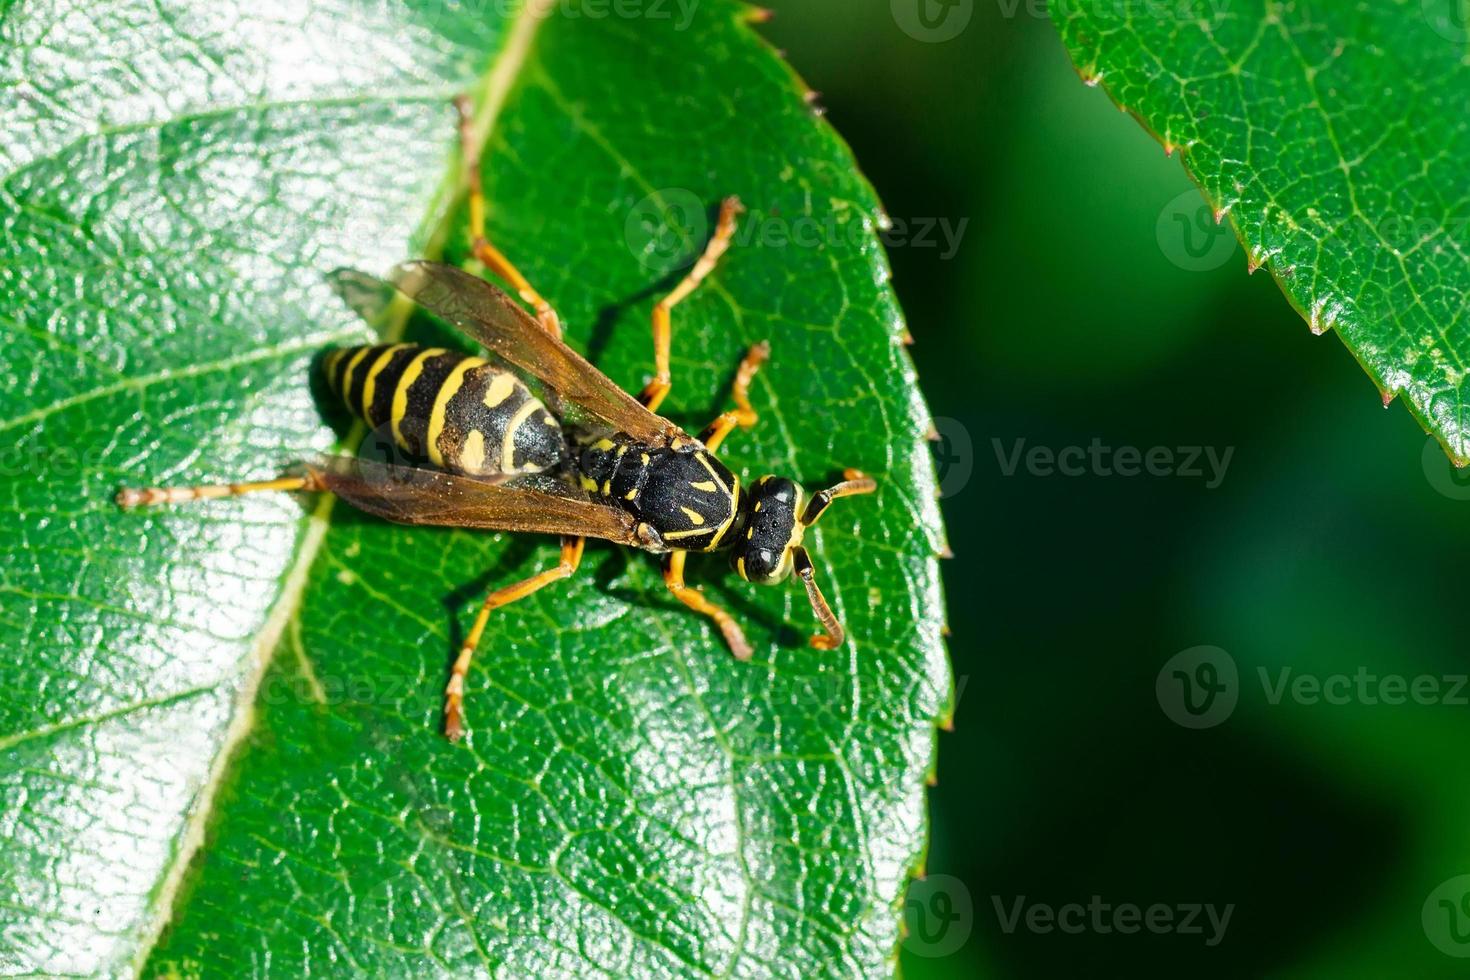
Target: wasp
[484, 451]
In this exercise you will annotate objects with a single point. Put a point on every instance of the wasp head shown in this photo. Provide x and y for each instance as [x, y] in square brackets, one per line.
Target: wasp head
[777, 514]
[773, 531]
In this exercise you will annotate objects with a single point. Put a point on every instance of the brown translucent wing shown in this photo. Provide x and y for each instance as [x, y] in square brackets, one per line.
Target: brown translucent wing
[368, 297]
[408, 495]
[495, 320]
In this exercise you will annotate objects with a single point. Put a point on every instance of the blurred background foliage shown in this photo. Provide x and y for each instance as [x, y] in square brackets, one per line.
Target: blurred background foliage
[1333, 546]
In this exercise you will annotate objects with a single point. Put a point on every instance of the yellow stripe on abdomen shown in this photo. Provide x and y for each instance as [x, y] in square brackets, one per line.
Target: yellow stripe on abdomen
[400, 393]
[437, 417]
[370, 386]
[508, 444]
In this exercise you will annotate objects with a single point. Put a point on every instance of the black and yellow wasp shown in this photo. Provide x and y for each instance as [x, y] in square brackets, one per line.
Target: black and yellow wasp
[485, 452]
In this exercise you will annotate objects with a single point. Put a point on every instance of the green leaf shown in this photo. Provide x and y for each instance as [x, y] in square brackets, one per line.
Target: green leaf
[219, 724]
[1334, 136]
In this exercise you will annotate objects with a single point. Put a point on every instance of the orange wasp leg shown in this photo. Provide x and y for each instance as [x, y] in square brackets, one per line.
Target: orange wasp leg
[854, 482]
[571, 557]
[694, 599]
[130, 497]
[487, 253]
[656, 390]
[743, 415]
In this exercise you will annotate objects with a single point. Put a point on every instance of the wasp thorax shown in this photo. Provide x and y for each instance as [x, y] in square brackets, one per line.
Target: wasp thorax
[772, 530]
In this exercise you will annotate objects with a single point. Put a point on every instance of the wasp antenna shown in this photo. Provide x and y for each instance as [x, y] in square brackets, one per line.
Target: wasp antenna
[855, 483]
[834, 635]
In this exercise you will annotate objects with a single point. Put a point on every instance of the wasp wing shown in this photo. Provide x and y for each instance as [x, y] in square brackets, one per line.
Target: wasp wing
[365, 295]
[495, 320]
[409, 495]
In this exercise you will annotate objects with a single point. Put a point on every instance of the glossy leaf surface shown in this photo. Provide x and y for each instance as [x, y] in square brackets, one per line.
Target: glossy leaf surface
[1333, 138]
[219, 748]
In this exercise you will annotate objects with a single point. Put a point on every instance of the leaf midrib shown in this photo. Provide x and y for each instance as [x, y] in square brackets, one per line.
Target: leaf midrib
[496, 83]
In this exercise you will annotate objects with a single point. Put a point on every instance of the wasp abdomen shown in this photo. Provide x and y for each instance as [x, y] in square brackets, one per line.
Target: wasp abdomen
[459, 412]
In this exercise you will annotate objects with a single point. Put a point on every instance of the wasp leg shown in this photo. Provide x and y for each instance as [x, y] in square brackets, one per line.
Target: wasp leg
[694, 599]
[130, 497]
[487, 253]
[571, 557]
[832, 633]
[743, 416]
[656, 390]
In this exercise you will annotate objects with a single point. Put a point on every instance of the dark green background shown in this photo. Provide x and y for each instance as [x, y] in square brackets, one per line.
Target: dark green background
[1327, 549]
